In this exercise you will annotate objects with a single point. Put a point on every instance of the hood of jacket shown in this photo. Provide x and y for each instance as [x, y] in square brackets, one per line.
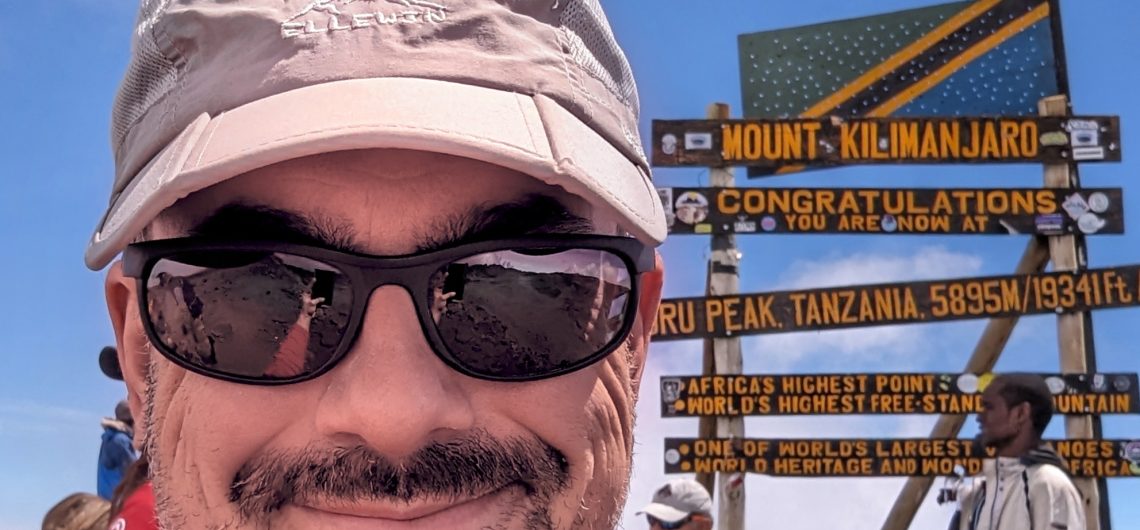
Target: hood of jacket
[111, 426]
[1044, 454]
[1006, 466]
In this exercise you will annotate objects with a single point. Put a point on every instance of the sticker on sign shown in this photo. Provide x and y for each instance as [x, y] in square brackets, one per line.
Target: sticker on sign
[744, 227]
[698, 140]
[1088, 153]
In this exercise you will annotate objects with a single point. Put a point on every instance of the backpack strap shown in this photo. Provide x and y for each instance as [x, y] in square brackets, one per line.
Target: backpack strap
[1028, 507]
[979, 503]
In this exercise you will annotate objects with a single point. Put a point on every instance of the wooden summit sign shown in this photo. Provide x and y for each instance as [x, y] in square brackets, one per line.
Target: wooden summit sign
[835, 141]
[879, 393]
[896, 303]
[1050, 211]
[881, 457]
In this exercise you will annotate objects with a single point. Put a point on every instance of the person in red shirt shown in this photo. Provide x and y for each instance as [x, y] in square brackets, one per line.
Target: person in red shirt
[132, 507]
[290, 359]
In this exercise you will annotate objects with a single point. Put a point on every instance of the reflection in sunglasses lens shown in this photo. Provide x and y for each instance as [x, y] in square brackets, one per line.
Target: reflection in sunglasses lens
[524, 313]
[261, 315]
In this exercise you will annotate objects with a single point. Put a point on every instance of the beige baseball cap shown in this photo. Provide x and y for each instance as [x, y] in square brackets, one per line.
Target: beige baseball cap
[677, 499]
[218, 88]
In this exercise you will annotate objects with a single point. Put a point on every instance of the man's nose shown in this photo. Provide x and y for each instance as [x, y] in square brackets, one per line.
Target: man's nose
[391, 392]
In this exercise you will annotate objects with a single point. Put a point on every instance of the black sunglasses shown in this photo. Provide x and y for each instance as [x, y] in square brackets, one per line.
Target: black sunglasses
[667, 525]
[276, 313]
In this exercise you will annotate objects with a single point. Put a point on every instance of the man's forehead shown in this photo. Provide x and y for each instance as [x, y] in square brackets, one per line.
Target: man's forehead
[992, 392]
[339, 199]
[243, 219]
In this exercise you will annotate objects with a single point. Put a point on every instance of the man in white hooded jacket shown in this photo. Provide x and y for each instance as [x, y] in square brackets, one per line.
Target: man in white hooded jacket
[1027, 486]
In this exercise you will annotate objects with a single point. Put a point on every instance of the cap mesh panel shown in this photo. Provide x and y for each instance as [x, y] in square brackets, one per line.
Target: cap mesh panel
[593, 47]
[150, 75]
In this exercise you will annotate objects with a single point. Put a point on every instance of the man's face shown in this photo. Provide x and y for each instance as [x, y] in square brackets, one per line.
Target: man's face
[391, 437]
[998, 423]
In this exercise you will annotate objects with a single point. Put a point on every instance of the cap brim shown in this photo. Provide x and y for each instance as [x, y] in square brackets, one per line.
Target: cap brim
[529, 134]
[663, 512]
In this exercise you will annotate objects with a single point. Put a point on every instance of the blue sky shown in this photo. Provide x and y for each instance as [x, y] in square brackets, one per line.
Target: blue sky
[61, 62]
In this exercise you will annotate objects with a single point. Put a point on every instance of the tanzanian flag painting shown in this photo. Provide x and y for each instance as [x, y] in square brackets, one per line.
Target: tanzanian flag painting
[985, 57]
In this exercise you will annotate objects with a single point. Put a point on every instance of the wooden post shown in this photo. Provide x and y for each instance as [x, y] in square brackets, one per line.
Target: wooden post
[1074, 330]
[724, 278]
[706, 426]
[985, 356]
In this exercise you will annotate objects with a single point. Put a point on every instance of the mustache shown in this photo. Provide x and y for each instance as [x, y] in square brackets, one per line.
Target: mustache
[454, 469]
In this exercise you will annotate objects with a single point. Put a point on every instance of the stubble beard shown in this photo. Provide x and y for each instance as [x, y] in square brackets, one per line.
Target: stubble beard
[534, 511]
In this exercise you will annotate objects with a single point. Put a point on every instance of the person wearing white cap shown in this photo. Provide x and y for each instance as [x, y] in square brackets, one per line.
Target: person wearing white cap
[681, 504]
[383, 264]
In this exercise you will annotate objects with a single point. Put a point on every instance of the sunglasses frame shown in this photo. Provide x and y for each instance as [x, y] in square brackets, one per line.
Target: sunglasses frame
[667, 525]
[365, 273]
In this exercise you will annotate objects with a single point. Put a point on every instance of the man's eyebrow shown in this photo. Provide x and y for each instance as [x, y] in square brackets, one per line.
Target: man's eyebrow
[533, 214]
[247, 221]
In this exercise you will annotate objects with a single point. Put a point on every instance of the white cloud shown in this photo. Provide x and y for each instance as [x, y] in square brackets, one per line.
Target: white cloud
[774, 502]
[874, 347]
[929, 262]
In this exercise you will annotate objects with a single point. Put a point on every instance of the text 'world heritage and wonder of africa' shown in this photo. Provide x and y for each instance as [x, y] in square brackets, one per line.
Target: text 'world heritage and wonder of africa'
[881, 457]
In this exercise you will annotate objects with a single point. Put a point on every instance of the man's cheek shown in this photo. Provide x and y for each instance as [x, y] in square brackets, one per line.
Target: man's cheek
[608, 425]
[197, 456]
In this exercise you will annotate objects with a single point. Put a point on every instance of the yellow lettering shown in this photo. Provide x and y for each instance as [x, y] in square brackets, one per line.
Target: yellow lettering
[912, 205]
[876, 152]
[1029, 138]
[866, 311]
[752, 137]
[714, 308]
[675, 318]
[1022, 202]
[941, 203]
[751, 316]
[907, 142]
[771, 142]
[972, 150]
[793, 143]
[811, 128]
[910, 307]
[951, 134]
[1009, 133]
[731, 139]
[884, 305]
[728, 201]
[730, 314]
[830, 306]
[813, 314]
[848, 136]
[1046, 201]
[929, 142]
[990, 147]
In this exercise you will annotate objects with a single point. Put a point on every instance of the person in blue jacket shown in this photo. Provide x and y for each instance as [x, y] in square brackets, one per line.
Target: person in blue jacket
[116, 452]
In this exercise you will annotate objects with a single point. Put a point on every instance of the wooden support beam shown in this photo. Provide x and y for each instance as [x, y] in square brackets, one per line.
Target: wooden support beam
[983, 359]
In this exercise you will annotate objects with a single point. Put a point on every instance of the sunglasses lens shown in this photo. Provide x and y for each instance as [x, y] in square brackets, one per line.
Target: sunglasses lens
[260, 315]
[664, 525]
[530, 313]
